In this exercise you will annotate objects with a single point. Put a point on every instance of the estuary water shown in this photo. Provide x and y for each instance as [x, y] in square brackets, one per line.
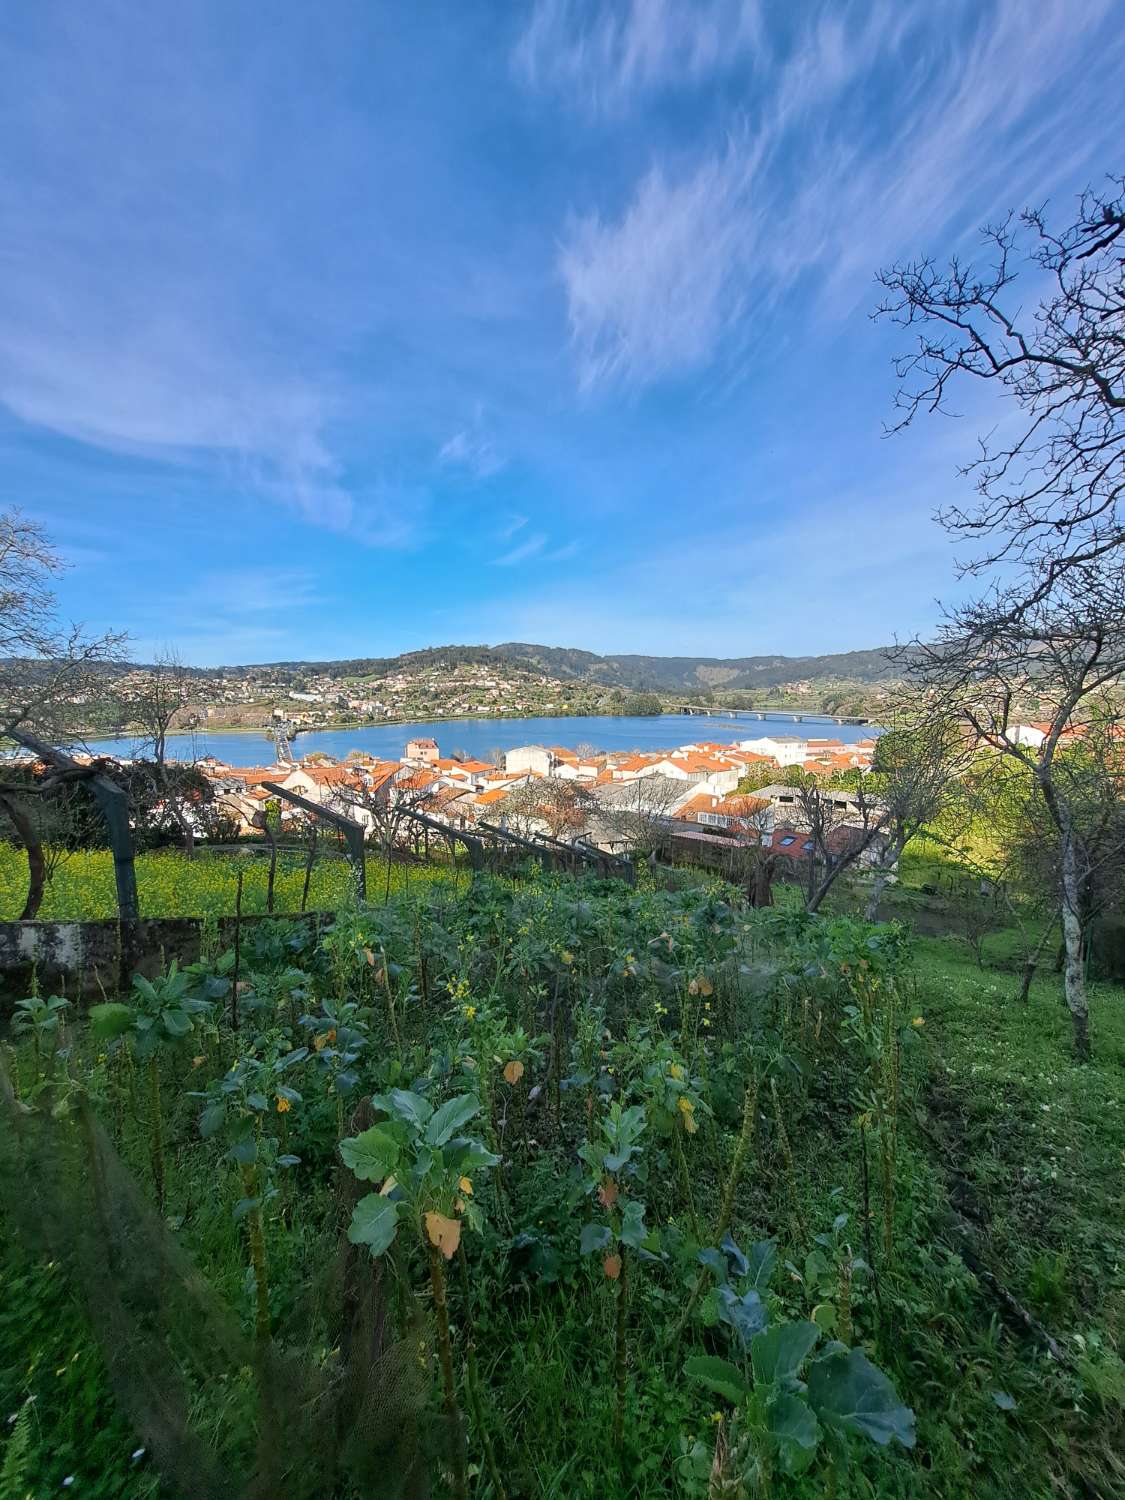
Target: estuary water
[478, 737]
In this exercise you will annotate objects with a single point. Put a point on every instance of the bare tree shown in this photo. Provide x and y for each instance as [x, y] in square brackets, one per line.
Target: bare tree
[1049, 499]
[389, 810]
[52, 676]
[52, 683]
[838, 833]
[638, 813]
[1063, 657]
[547, 803]
[154, 699]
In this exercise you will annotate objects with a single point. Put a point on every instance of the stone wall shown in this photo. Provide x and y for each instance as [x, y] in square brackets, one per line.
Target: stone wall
[86, 961]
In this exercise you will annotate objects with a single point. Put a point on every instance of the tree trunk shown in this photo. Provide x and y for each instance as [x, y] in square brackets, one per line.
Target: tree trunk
[36, 864]
[1074, 971]
[1031, 965]
[876, 896]
[271, 876]
[761, 882]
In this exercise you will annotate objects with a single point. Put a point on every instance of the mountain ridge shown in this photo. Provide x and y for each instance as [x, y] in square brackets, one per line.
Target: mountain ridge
[633, 671]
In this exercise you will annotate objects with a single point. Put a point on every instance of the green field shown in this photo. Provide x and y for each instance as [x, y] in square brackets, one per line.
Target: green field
[987, 1230]
[168, 885]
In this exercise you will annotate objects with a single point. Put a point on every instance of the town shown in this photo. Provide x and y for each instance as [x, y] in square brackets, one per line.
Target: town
[679, 800]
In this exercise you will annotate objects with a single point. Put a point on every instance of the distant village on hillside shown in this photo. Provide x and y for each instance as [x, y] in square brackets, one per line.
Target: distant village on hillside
[472, 682]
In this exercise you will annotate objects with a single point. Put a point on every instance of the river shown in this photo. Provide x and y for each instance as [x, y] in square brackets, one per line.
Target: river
[478, 737]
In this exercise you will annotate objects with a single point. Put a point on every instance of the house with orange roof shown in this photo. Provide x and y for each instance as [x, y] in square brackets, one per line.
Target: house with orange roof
[749, 817]
[424, 750]
[720, 775]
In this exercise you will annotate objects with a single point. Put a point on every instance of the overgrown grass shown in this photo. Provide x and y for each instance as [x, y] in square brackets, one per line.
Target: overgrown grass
[169, 885]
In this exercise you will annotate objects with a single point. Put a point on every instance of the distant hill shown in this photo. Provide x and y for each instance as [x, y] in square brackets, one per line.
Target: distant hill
[674, 674]
[664, 674]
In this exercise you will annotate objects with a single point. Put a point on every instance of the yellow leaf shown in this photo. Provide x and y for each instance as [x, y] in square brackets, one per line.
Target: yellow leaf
[466, 1186]
[369, 956]
[444, 1233]
[612, 1266]
[513, 1072]
[387, 1187]
[607, 1194]
[705, 985]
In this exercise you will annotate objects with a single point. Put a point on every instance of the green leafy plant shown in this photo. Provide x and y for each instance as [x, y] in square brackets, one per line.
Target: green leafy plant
[424, 1165]
[162, 1018]
[239, 1105]
[41, 1020]
[613, 1158]
[788, 1404]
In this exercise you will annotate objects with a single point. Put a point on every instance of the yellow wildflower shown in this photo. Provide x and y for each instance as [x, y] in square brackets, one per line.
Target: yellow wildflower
[716, 1416]
[676, 1070]
[468, 1011]
[686, 1105]
[283, 1105]
[567, 957]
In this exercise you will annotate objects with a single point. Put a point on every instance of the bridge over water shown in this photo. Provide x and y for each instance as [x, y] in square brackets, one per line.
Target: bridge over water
[782, 716]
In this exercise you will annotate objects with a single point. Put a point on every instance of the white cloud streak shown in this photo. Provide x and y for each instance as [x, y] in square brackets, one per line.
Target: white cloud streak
[526, 550]
[605, 55]
[471, 449]
[688, 269]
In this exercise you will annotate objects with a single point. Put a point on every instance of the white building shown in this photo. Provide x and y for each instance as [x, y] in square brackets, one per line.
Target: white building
[786, 749]
[534, 758]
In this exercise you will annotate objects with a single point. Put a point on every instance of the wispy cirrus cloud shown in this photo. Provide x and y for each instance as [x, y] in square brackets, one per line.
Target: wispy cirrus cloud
[523, 552]
[708, 241]
[603, 56]
[537, 547]
[150, 306]
[472, 449]
[226, 614]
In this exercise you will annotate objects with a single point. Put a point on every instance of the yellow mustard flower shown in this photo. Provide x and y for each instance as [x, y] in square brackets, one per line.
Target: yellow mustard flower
[283, 1105]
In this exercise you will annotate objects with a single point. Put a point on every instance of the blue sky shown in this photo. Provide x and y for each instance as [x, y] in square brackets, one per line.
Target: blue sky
[344, 329]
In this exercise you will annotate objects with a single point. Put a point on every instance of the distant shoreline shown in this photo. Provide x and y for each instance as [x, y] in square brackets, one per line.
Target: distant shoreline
[480, 738]
[801, 715]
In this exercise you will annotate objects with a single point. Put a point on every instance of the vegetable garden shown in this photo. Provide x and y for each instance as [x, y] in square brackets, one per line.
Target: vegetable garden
[552, 1189]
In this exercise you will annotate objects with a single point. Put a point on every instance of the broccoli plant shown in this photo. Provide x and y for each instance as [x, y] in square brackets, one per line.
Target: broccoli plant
[789, 1403]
